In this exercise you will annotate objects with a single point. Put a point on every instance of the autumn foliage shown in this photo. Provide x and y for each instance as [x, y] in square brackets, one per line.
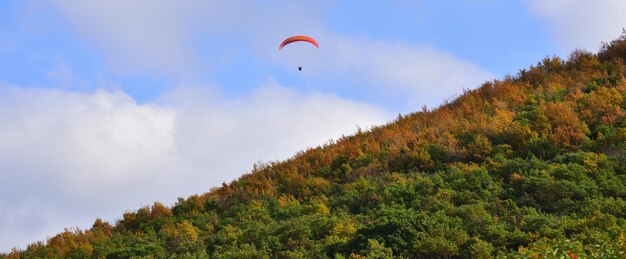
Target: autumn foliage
[533, 165]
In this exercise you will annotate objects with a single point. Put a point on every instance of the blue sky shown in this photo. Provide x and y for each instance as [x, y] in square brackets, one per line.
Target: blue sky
[498, 37]
[106, 106]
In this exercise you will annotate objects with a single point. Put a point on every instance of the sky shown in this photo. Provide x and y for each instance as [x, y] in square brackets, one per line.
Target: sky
[109, 105]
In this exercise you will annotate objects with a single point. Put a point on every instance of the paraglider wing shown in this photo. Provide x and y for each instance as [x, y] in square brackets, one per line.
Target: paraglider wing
[298, 38]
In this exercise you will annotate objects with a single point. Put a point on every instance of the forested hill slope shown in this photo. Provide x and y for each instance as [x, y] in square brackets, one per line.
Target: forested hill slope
[531, 165]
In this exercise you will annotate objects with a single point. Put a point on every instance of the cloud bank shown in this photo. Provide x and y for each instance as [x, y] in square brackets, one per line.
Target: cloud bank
[582, 23]
[67, 158]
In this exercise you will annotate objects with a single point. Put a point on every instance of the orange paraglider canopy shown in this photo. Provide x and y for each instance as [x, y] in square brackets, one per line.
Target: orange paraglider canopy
[298, 38]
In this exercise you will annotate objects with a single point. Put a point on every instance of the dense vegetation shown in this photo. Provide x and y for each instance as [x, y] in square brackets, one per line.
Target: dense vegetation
[533, 165]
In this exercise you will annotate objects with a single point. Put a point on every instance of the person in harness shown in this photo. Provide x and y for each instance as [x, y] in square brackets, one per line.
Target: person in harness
[298, 38]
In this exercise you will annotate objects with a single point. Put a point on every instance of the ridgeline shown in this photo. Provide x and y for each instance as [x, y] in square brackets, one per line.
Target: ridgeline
[533, 165]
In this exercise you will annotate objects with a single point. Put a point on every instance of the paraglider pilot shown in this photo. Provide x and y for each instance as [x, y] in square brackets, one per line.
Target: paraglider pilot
[298, 38]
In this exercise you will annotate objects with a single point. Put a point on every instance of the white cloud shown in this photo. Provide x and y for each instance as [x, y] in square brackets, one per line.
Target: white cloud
[135, 36]
[168, 36]
[67, 158]
[171, 36]
[61, 74]
[419, 74]
[582, 23]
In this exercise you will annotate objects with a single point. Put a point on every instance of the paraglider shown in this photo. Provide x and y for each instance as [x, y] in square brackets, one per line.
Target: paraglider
[301, 38]
[298, 38]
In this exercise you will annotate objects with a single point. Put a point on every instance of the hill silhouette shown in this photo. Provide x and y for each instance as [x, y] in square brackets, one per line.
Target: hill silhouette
[532, 165]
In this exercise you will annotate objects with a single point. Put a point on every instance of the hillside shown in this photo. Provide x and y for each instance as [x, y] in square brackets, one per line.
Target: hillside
[532, 165]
